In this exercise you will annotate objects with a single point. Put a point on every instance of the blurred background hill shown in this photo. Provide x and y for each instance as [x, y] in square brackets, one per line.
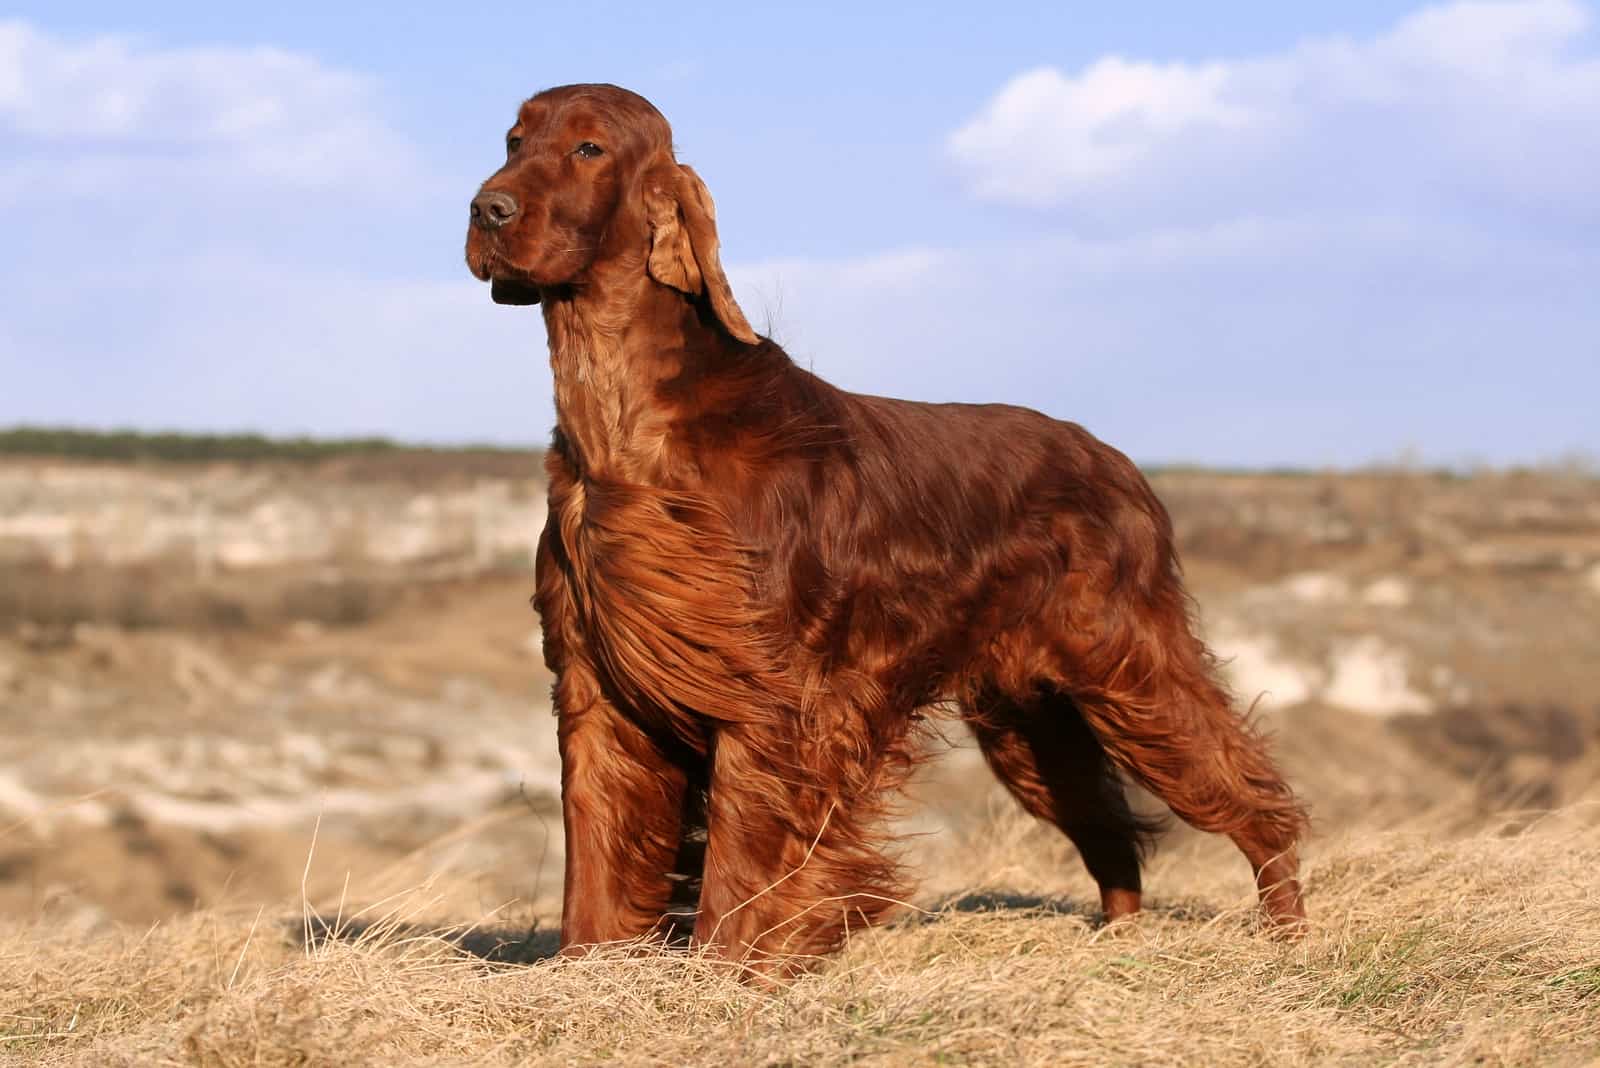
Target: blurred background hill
[209, 645]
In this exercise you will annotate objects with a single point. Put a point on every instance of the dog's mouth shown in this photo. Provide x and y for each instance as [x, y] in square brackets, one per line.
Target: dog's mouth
[507, 284]
[512, 291]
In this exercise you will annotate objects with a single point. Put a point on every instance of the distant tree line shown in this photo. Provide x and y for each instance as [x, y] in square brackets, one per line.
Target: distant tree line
[139, 445]
[199, 448]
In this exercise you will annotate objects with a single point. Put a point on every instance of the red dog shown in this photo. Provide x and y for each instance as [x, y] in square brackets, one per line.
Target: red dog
[750, 583]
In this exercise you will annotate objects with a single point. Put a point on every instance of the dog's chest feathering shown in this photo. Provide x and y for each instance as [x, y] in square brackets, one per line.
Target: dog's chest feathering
[666, 599]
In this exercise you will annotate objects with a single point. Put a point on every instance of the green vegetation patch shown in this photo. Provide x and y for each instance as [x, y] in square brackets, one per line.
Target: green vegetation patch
[171, 446]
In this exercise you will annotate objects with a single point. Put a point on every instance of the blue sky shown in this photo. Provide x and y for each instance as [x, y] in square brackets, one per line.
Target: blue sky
[1236, 233]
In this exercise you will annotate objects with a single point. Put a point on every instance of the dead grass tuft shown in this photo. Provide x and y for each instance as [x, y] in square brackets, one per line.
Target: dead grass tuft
[1482, 949]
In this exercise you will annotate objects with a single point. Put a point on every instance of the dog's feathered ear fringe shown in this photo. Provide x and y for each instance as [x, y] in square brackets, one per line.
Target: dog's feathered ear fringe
[684, 243]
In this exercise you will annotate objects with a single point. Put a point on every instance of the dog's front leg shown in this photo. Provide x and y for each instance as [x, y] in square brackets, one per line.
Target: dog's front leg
[790, 867]
[622, 806]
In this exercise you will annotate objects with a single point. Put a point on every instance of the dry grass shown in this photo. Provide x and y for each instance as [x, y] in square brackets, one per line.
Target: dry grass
[1482, 949]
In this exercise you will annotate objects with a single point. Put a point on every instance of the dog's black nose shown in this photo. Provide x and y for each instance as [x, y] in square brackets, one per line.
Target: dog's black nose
[493, 210]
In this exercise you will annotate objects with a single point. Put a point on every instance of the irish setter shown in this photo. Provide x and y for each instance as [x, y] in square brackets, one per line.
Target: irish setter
[753, 585]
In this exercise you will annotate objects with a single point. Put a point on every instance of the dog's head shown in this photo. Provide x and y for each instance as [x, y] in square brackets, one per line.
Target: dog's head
[590, 186]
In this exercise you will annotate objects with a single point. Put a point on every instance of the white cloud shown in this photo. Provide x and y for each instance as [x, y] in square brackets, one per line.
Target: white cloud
[1485, 40]
[1324, 255]
[262, 114]
[1454, 105]
[1045, 130]
[219, 237]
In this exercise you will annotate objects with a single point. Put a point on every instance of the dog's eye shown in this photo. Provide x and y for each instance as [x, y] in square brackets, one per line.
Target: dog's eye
[589, 150]
[512, 144]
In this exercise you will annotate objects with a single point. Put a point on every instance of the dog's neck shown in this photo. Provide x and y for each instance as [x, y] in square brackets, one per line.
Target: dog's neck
[613, 347]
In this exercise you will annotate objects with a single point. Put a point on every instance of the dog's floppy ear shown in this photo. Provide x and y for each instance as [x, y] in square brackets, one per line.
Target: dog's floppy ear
[503, 291]
[683, 243]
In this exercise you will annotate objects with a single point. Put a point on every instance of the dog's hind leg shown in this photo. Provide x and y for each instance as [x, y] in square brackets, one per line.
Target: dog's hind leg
[1057, 769]
[1145, 686]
